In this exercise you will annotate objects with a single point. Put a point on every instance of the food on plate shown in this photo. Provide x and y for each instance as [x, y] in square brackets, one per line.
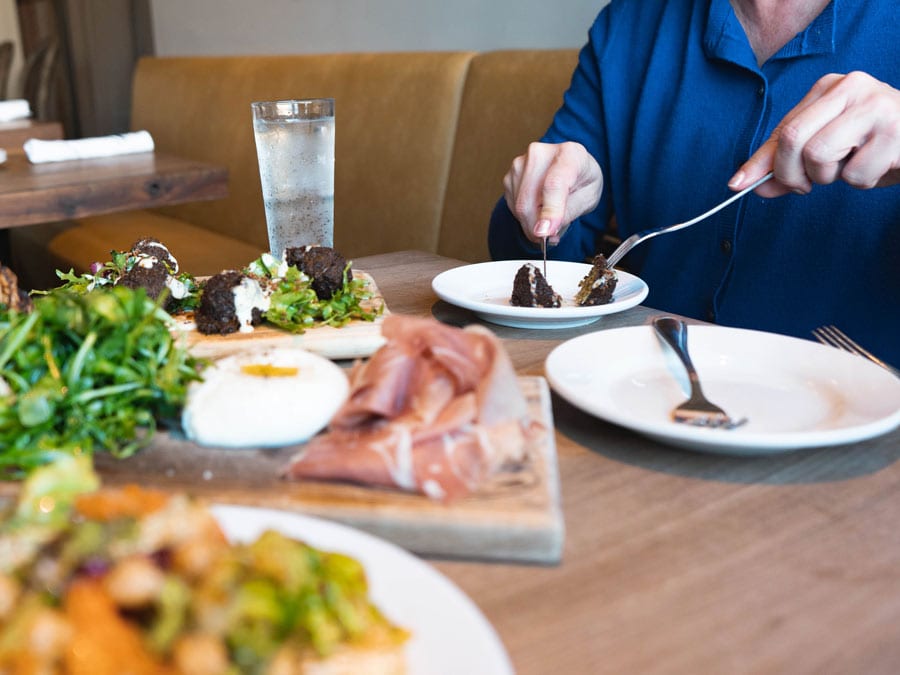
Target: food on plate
[327, 268]
[295, 305]
[230, 301]
[263, 398]
[598, 285]
[148, 264]
[11, 295]
[86, 372]
[326, 293]
[437, 410]
[531, 289]
[131, 580]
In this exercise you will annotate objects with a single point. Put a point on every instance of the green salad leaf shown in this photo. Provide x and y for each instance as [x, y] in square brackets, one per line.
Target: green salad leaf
[120, 263]
[86, 371]
[294, 305]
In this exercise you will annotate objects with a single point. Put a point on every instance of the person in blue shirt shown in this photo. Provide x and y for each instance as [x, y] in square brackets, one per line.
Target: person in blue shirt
[672, 103]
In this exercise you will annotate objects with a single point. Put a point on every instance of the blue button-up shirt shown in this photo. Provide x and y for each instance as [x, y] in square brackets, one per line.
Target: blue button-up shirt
[669, 99]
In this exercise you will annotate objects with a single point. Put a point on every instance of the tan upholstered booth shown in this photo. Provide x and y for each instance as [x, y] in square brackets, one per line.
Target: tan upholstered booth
[422, 142]
[508, 101]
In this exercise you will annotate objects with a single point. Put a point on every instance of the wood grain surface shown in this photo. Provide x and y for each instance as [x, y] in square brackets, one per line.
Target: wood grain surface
[36, 193]
[518, 518]
[678, 562]
[14, 134]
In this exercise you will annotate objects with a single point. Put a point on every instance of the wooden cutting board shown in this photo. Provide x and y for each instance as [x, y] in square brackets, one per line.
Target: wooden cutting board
[356, 339]
[519, 520]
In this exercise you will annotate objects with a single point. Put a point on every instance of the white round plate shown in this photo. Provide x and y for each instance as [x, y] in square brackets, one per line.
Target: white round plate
[485, 288]
[795, 393]
[449, 633]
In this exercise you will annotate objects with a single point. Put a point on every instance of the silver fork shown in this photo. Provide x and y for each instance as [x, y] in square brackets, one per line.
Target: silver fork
[697, 410]
[644, 235]
[835, 337]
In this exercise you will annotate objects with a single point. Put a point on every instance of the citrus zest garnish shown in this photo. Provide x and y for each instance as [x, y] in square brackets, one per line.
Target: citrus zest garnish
[268, 370]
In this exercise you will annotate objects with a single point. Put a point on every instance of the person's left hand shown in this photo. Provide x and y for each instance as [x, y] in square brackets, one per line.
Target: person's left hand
[847, 127]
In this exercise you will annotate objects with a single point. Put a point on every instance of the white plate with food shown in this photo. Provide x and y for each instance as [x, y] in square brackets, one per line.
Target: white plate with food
[485, 288]
[450, 635]
[795, 393]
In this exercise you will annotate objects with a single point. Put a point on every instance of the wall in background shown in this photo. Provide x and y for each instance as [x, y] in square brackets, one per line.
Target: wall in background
[213, 27]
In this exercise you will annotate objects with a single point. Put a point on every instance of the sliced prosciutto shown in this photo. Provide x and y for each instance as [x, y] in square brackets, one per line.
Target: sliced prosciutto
[436, 410]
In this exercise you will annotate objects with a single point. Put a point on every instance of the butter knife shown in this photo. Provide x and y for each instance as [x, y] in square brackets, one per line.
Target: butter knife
[544, 251]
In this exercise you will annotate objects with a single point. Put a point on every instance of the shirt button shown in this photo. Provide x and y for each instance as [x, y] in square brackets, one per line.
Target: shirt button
[726, 245]
[761, 91]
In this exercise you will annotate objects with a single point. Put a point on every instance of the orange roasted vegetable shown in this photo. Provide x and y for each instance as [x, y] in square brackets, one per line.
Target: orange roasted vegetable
[103, 643]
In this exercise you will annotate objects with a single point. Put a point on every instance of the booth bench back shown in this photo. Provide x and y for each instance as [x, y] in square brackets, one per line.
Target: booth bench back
[423, 140]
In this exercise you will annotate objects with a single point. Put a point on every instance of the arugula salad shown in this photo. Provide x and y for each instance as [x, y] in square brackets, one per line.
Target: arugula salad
[84, 372]
[94, 365]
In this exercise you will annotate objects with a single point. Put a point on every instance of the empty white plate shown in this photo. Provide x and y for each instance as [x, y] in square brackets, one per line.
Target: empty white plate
[795, 393]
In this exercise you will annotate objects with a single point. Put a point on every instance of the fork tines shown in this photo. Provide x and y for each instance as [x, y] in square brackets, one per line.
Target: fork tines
[712, 420]
[833, 336]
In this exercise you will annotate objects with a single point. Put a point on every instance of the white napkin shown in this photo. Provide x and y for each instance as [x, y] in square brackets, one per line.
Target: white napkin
[14, 109]
[39, 151]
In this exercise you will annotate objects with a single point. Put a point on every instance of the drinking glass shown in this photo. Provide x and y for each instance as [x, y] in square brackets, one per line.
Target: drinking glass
[295, 149]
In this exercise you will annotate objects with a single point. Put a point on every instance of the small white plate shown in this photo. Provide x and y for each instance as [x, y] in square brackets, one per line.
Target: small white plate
[450, 635]
[795, 393]
[485, 289]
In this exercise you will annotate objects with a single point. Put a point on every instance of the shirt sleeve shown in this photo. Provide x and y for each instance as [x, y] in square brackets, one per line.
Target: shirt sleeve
[579, 119]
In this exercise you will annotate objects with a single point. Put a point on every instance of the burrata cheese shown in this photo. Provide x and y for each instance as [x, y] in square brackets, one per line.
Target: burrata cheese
[264, 398]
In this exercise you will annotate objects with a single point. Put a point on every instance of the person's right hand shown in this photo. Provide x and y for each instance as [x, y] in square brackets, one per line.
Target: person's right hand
[847, 127]
[550, 186]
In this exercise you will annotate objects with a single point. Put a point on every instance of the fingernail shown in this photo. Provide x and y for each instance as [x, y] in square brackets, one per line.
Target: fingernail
[736, 180]
[542, 228]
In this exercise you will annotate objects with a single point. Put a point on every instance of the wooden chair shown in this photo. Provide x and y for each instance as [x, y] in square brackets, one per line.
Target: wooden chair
[41, 69]
[6, 59]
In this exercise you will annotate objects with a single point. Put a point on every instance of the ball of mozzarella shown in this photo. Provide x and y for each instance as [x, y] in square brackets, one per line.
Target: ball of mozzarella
[273, 397]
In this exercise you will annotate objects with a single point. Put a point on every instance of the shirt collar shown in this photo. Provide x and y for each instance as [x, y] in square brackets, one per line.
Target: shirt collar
[725, 38]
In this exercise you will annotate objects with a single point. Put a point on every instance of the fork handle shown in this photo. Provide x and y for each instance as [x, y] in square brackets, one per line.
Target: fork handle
[674, 332]
[639, 237]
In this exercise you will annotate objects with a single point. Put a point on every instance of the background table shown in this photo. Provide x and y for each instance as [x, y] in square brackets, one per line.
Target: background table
[36, 193]
[14, 133]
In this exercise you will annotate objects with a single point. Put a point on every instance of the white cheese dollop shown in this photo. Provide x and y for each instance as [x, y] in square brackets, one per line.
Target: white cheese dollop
[264, 398]
[177, 289]
[249, 295]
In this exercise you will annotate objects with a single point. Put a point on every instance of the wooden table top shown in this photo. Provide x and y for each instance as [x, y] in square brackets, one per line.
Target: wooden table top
[36, 193]
[677, 561]
[683, 562]
[15, 132]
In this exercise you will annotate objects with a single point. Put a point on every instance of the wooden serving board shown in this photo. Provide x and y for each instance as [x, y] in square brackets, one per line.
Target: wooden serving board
[519, 520]
[356, 339]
